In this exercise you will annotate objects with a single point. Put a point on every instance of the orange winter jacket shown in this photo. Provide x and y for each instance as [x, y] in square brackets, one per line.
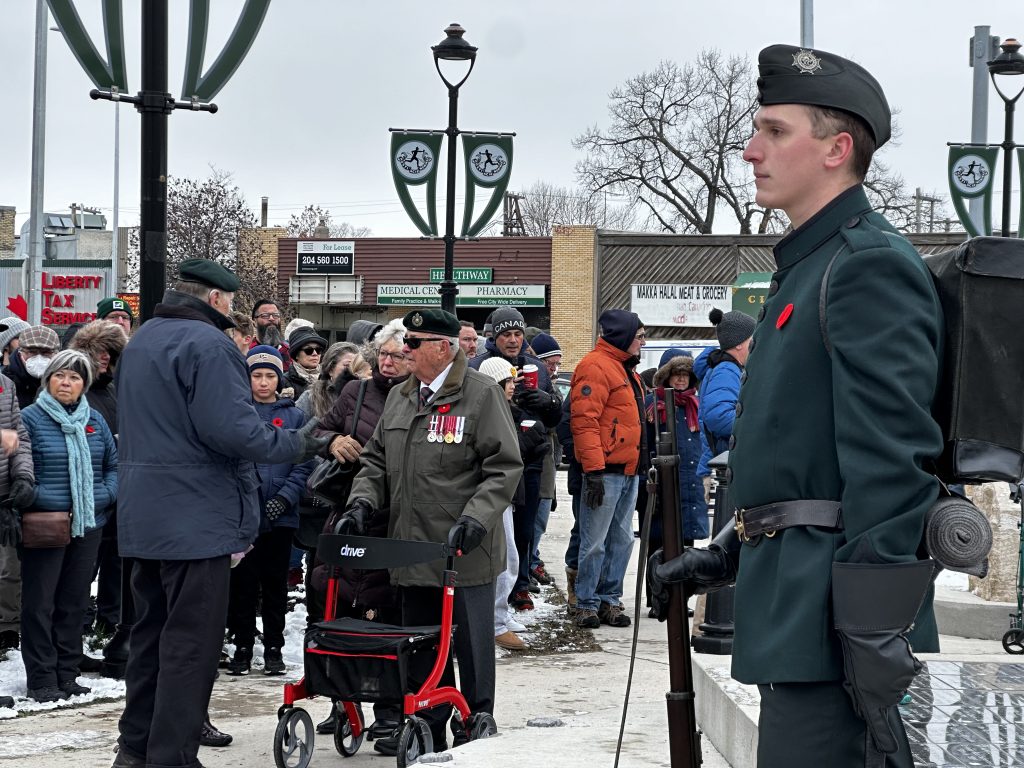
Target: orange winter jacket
[605, 418]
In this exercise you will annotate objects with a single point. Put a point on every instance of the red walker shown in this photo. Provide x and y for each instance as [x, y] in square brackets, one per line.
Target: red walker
[351, 661]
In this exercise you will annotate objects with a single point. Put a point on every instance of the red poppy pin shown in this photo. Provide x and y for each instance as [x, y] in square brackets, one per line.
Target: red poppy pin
[784, 316]
[89, 429]
[278, 422]
[444, 408]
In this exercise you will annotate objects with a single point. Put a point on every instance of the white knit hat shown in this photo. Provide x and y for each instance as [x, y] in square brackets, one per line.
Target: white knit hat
[498, 369]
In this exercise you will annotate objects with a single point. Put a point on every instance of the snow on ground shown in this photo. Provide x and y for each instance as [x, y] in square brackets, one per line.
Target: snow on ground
[12, 683]
[952, 580]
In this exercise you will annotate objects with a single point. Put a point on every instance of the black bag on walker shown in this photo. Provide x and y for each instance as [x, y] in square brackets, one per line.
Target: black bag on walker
[980, 400]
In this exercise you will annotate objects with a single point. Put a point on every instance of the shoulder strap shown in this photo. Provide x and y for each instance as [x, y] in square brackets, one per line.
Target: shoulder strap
[359, 405]
[823, 301]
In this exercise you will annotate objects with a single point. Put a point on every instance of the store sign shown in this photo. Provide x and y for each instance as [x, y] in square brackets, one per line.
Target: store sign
[70, 298]
[464, 274]
[469, 295]
[678, 305]
[325, 257]
[133, 302]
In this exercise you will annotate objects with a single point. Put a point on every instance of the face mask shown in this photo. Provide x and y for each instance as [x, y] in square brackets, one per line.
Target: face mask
[36, 366]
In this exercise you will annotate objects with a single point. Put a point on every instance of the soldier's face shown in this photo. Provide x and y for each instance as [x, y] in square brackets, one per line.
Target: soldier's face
[789, 163]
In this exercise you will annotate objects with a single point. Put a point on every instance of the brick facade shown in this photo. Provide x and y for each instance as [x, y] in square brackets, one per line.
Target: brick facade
[572, 291]
[7, 213]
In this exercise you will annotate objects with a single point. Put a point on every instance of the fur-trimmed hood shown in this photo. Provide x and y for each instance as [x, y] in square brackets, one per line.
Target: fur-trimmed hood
[100, 336]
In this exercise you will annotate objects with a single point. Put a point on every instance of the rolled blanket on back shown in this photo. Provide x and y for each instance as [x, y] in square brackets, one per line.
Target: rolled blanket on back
[958, 536]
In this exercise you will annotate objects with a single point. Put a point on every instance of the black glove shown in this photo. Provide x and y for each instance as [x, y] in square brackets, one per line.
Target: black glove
[546, 407]
[10, 525]
[311, 446]
[356, 516]
[698, 570]
[593, 489]
[276, 507]
[23, 493]
[465, 535]
[874, 606]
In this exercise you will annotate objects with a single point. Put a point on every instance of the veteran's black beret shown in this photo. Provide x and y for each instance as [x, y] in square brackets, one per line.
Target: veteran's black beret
[432, 321]
[791, 75]
[209, 273]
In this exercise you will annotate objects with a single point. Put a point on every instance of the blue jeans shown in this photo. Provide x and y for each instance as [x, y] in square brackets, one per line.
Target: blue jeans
[606, 543]
[539, 527]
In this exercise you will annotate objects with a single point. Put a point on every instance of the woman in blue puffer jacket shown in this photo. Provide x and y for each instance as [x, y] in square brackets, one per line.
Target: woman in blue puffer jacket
[75, 463]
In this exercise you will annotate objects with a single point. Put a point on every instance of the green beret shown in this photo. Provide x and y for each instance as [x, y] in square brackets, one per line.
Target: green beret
[209, 273]
[791, 75]
[113, 304]
[432, 321]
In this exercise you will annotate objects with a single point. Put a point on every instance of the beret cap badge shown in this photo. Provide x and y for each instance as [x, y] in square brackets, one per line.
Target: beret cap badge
[417, 319]
[806, 62]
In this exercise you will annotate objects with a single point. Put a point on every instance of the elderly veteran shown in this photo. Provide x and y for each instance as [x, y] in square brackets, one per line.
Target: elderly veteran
[445, 456]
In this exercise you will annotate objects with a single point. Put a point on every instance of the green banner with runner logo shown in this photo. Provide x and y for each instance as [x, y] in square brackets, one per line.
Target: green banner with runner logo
[971, 172]
[488, 159]
[414, 161]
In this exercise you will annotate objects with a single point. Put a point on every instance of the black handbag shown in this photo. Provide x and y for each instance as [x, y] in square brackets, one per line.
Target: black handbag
[331, 481]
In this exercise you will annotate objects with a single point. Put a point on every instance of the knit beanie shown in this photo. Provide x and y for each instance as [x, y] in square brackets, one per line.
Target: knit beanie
[295, 324]
[72, 360]
[545, 346]
[497, 368]
[619, 327]
[264, 356]
[733, 328]
[11, 328]
[507, 319]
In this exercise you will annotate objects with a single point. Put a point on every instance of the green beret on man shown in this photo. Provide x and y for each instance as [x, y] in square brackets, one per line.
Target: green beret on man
[792, 75]
[209, 273]
[113, 304]
[432, 321]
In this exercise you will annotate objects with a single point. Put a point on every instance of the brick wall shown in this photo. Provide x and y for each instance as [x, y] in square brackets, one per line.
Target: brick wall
[572, 291]
[7, 228]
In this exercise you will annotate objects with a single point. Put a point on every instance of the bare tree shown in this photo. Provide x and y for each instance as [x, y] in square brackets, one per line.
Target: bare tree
[305, 224]
[209, 219]
[546, 205]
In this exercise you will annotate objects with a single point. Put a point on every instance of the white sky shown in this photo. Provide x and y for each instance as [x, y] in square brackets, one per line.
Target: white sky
[305, 117]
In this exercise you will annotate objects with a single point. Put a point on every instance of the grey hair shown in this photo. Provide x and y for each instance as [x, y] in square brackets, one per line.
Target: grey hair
[198, 290]
[70, 359]
[393, 331]
[453, 346]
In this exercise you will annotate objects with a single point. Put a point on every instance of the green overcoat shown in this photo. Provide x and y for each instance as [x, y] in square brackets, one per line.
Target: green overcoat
[854, 426]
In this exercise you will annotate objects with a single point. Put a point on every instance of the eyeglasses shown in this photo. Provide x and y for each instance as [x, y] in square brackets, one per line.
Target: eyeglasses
[268, 316]
[396, 356]
[641, 336]
[310, 351]
[413, 342]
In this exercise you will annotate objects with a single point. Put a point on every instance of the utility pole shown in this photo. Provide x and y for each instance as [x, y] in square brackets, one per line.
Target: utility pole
[37, 241]
[807, 23]
[512, 219]
[984, 48]
[919, 199]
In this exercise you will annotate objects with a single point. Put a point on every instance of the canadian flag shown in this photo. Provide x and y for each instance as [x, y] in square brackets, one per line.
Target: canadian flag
[19, 307]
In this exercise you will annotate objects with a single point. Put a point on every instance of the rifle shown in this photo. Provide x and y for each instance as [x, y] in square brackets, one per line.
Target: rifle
[683, 735]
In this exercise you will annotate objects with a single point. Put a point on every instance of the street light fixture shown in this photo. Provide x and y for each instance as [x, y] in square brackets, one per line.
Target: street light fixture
[453, 48]
[1009, 62]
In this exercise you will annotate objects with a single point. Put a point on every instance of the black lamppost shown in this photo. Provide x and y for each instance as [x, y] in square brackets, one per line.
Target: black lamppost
[452, 48]
[1009, 62]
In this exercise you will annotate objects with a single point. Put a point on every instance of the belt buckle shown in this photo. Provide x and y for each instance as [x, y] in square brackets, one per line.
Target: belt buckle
[740, 527]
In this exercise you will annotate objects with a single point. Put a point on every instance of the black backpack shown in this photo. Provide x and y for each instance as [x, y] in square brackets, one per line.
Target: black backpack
[980, 400]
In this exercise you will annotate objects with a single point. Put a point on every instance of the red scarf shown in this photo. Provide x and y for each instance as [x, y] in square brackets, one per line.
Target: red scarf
[685, 399]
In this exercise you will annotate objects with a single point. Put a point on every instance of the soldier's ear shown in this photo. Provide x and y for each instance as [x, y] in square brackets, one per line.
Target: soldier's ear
[839, 150]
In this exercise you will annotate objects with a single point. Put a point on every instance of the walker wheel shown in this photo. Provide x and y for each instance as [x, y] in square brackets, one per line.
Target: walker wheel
[482, 726]
[1013, 641]
[414, 740]
[293, 739]
[346, 744]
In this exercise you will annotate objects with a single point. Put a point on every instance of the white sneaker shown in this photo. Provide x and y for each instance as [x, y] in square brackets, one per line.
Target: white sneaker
[512, 624]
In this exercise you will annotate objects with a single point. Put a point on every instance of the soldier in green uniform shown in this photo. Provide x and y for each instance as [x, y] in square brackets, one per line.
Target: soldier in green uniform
[832, 438]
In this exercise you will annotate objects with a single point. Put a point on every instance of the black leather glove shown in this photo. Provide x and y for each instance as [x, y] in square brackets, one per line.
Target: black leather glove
[23, 493]
[10, 525]
[276, 507]
[356, 517]
[874, 606]
[465, 535]
[698, 570]
[593, 489]
[546, 407]
[311, 445]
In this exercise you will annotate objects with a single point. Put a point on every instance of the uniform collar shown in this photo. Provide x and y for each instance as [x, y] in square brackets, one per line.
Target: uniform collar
[821, 226]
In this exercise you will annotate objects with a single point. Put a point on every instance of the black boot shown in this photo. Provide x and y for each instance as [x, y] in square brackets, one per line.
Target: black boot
[331, 723]
[209, 736]
[115, 652]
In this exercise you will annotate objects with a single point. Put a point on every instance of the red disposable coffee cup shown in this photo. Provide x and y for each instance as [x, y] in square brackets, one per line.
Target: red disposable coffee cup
[527, 425]
[530, 376]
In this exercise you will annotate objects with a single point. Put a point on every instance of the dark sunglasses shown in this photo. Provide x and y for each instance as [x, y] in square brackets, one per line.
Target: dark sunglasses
[414, 343]
[311, 351]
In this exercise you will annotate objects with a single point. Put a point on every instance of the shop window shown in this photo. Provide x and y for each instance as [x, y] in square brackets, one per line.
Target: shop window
[325, 289]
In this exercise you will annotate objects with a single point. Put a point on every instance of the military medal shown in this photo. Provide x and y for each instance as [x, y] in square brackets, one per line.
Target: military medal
[460, 427]
[432, 431]
[449, 429]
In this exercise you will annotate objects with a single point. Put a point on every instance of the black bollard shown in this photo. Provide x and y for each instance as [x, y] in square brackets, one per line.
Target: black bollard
[717, 627]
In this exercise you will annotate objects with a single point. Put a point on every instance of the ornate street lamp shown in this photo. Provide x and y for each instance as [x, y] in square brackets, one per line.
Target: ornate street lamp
[453, 48]
[1009, 62]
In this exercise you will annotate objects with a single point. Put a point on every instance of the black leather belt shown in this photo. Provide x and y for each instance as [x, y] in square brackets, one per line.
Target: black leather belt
[766, 520]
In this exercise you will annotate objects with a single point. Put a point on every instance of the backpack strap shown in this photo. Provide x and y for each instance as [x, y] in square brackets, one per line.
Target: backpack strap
[823, 301]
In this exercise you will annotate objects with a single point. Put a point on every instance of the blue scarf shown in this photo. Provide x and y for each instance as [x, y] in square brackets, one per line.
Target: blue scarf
[83, 502]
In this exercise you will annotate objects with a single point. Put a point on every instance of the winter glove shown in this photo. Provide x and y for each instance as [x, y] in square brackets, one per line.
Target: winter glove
[874, 606]
[532, 444]
[311, 446]
[698, 570]
[276, 507]
[23, 493]
[10, 525]
[465, 535]
[548, 408]
[355, 518]
[593, 489]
